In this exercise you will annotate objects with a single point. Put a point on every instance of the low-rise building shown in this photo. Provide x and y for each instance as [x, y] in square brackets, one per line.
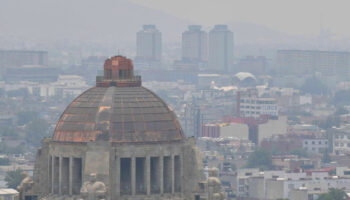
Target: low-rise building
[317, 145]
[8, 194]
[301, 186]
[341, 140]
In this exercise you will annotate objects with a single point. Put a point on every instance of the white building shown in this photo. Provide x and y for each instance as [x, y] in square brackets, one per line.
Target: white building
[282, 185]
[317, 146]
[8, 194]
[66, 85]
[341, 140]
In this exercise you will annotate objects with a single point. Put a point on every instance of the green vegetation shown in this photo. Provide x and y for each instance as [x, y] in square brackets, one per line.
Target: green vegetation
[260, 159]
[4, 149]
[8, 132]
[342, 97]
[14, 178]
[4, 161]
[341, 111]
[326, 158]
[329, 122]
[301, 153]
[25, 117]
[314, 86]
[333, 194]
[36, 130]
[2, 92]
[22, 92]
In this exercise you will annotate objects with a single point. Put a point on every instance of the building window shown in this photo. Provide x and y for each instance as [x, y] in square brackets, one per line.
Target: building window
[306, 142]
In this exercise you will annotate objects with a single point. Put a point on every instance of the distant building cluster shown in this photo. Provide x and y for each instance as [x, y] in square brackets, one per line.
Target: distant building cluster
[253, 184]
[213, 53]
[300, 62]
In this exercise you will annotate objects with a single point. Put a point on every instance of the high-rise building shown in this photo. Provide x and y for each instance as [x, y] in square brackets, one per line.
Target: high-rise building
[301, 62]
[194, 44]
[14, 58]
[149, 44]
[220, 49]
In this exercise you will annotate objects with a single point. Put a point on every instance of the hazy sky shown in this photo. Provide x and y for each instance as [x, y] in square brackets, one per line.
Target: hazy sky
[302, 17]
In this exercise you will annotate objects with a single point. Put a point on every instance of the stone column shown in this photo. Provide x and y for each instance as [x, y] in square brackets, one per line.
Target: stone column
[52, 174]
[133, 175]
[60, 175]
[71, 175]
[172, 173]
[148, 175]
[161, 168]
[117, 176]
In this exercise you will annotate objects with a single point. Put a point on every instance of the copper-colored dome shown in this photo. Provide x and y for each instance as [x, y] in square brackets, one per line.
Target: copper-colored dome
[120, 115]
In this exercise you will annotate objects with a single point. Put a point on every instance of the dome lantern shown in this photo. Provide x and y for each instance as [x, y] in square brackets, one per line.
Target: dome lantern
[119, 72]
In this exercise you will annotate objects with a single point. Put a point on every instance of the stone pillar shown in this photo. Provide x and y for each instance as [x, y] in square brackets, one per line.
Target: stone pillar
[133, 175]
[161, 168]
[52, 174]
[172, 173]
[117, 176]
[148, 175]
[70, 175]
[60, 176]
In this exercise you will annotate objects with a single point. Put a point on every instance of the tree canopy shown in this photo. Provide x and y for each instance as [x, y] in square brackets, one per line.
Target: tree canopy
[260, 159]
[341, 111]
[25, 117]
[14, 178]
[301, 153]
[313, 85]
[342, 97]
[36, 130]
[333, 194]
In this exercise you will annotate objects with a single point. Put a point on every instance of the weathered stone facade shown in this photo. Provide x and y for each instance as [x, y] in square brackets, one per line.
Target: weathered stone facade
[138, 171]
[119, 141]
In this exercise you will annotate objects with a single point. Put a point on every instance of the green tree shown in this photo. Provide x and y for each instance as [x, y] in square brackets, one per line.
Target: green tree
[8, 131]
[330, 122]
[2, 92]
[314, 86]
[341, 97]
[341, 111]
[22, 92]
[326, 158]
[4, 161]
[301, 153]
[36, 130]
[25, 117]
[260, 159]
[14, 178]
[333, 194]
